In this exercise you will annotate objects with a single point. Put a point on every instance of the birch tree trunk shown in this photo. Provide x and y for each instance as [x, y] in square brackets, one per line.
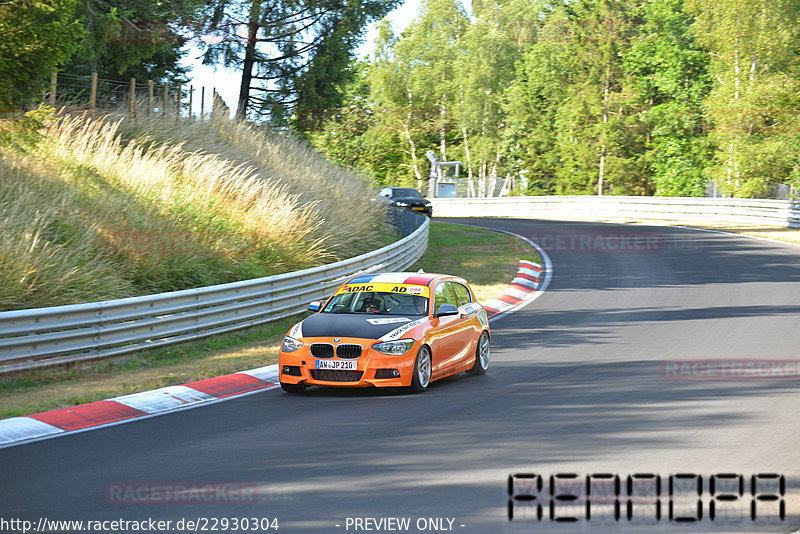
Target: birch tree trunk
[603, 140]
[470, 183]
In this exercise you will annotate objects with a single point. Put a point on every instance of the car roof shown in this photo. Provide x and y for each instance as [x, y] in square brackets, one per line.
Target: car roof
[402, 278]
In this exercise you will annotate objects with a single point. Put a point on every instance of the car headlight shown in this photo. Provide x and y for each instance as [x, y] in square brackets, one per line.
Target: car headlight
[402, 204]
[290, 344]
[395, 348]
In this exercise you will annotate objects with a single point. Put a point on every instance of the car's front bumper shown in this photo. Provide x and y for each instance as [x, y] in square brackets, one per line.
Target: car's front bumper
[300, 366]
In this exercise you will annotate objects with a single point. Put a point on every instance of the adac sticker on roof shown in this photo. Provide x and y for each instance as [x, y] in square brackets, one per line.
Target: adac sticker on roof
[420, 279]
[368, 287]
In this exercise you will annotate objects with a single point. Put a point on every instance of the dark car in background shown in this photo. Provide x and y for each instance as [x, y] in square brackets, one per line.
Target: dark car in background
[408, 198]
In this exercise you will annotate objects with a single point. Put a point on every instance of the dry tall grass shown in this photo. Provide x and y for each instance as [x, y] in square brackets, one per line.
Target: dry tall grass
[341, 202]
[92, 209]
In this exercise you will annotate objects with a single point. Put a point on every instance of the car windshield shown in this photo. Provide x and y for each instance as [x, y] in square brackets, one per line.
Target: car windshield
[377, 303]
[405, 193]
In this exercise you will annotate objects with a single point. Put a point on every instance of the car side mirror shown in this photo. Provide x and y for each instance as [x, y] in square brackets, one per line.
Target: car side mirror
[315, 306]
[446, 309]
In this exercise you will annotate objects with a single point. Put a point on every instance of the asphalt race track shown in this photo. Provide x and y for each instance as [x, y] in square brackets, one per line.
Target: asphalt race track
[592, 378]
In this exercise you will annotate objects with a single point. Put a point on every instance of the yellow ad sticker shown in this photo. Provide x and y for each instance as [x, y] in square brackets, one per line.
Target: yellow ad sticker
[383, 287]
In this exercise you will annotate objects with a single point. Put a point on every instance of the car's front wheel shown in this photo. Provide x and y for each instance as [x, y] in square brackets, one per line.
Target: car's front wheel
[422, 370]
[293, 388]
[482, 356]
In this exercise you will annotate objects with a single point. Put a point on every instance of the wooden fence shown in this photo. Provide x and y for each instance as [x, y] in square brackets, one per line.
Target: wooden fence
[137, 98]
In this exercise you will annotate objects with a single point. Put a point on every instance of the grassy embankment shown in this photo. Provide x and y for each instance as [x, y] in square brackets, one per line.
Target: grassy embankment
[101, 209]
[487, 259]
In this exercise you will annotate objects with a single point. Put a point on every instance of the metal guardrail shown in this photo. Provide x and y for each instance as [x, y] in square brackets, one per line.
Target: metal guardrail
[781, 213]
[46, 337]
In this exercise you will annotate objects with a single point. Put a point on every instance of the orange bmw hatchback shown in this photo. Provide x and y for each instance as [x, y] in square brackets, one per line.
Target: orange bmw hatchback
[388, 330]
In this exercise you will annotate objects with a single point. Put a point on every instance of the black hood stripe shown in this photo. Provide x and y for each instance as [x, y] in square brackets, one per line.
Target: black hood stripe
[353, 325]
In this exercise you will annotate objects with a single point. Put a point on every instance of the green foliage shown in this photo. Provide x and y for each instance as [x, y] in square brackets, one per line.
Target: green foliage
[25, 132]
[295, 54]
[753, 105]
[36, 36]
[649, 96]
[351, 137]
[671, 76]
[322, 85]
[132, 39]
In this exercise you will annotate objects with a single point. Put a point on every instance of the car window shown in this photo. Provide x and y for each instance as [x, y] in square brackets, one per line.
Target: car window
[402, 192]
[377, 302]
[461, 293]
[443, 294]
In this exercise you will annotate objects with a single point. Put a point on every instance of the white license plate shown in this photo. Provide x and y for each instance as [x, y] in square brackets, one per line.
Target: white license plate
[337, 365]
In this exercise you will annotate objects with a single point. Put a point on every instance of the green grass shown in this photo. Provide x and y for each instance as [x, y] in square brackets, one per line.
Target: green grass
[488, 260]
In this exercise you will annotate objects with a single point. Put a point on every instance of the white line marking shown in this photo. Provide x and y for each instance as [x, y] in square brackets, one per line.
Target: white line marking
[134, 419]
[163, 399]
[268, 373]
[525, 282]
[518, 293]
[18, 429]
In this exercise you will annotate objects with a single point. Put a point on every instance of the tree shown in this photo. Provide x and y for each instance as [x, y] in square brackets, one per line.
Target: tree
[35, 37]
[133, 39]
[394, 98]
[286, 50]
[491, 46]
[585, 133]
[754, 48]
[671, 73]
[599, 134]
[354, 137]
[414, 82]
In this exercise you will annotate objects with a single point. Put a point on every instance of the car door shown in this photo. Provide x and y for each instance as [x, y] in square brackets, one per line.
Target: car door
[447, 343]
[471, 326]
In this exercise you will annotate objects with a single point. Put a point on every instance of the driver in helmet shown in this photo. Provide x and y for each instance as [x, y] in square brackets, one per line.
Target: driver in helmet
[373, 304]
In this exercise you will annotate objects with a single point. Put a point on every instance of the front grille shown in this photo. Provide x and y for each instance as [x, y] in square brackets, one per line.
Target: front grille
[336, 376]
[348, 350]
[322, 350]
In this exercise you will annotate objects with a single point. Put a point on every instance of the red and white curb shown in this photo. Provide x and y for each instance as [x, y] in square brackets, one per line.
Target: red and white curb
[18, 430]
[521, 289]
